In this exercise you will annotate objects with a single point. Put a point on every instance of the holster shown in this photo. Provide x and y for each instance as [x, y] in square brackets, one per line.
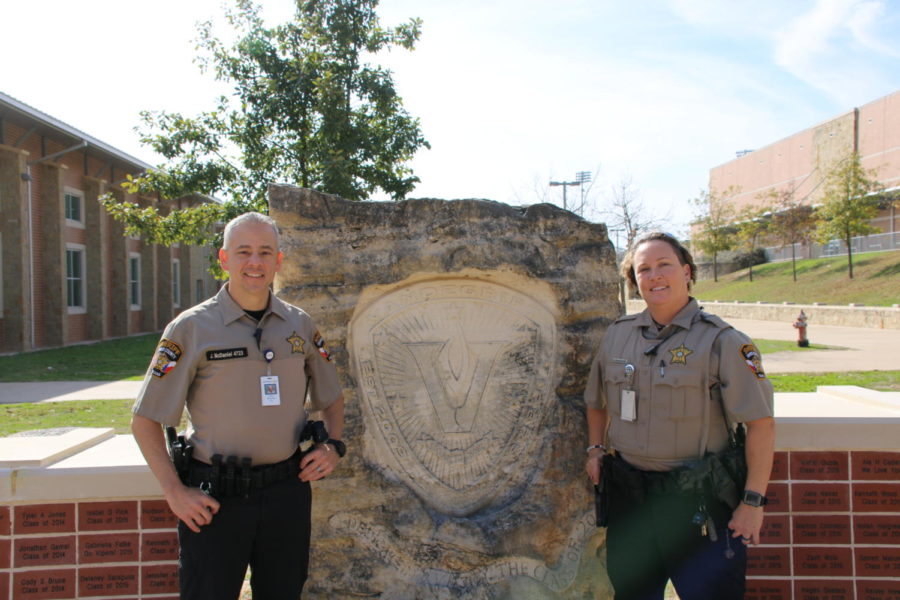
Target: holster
[601, 493]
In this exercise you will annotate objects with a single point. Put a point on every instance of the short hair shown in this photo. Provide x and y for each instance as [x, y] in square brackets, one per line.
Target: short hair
[626, 270]
[250, 217]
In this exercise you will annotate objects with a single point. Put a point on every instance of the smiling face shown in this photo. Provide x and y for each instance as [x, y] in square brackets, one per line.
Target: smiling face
[251, 258]
[661, 279]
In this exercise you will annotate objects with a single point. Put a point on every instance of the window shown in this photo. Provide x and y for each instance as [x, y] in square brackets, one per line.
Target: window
[73, 204]
[198, 291]
[134, 280]
[75, 278]
[176, 282]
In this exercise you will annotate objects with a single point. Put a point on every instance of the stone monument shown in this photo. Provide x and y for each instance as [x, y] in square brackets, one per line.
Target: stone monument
[462, 331]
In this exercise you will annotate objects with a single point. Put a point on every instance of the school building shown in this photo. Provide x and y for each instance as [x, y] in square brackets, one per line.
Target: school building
[801, 162]
[68, 271]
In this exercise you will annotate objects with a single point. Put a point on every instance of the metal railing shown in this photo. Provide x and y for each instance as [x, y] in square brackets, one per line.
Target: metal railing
[880, 242]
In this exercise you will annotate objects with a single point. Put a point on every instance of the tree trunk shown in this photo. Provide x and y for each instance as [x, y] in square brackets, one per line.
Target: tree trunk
[715, 267]
[849, 256]
[794, 260]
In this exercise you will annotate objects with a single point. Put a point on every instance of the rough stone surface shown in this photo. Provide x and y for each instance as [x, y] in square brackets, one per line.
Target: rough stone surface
[462, 331]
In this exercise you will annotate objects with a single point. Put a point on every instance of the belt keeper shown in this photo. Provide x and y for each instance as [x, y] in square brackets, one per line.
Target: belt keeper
[215, 474]
[230, 468]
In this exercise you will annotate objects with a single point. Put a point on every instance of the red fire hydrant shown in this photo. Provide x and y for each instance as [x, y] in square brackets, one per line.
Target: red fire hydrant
[800, 325]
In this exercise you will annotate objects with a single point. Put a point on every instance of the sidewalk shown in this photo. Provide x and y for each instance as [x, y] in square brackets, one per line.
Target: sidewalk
[866, 350]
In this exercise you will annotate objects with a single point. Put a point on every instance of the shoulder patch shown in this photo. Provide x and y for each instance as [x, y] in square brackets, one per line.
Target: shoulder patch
[753, 359]
[167, 355]
[320, 346]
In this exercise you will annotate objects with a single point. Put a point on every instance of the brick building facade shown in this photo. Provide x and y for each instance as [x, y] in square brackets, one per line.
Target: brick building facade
[802, 161]
[68, 272]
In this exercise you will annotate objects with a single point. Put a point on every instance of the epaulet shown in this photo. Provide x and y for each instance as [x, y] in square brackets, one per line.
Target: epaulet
[630, 317]
[713, 320]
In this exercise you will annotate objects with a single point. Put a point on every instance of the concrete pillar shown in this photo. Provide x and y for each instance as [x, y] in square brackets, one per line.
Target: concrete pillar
[15, 319]
[96, 260]
[52, 273]
[117, 300]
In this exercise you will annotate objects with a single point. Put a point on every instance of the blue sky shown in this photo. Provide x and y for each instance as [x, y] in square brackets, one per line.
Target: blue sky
[511, 94]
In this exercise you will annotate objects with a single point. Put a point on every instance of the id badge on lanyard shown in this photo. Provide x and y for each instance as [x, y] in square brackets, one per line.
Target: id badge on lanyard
[628, 399]
[269, 389]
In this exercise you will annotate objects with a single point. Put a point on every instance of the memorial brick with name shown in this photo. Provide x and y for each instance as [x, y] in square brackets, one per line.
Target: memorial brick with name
[462, 332]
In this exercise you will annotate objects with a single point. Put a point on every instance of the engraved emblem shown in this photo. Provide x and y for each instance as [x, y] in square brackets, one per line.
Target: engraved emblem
[456, 376]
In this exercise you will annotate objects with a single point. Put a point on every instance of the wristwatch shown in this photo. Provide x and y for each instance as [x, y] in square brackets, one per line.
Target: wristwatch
[752, 498]
[339, 446]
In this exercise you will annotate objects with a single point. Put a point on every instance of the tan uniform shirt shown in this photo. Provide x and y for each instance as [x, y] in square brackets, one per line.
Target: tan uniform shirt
[678, 414]
[209, 361]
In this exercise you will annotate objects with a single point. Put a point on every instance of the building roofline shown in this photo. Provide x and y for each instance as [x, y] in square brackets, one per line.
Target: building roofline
[32, 113]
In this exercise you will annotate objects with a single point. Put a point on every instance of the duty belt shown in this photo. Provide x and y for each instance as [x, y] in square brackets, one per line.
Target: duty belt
[685, 480]
[233, 477]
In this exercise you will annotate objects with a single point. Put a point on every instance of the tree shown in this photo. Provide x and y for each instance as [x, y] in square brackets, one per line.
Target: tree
[753, 222]
[849, 203]
[305, 110]
[793, 222]
[625, 212]
[714, 227]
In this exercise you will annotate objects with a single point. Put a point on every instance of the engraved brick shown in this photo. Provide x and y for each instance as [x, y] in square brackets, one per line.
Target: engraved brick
[99, 516]
[821, 529]
[776, 529]
[155, 514]
[44, 584]
[44, 518]
[41, 551]
[812, 497]
[4, 582]
[831, 466]
[768, 589]
[117, 547]
[778, 498]
[108, 581]
[765, 560]
[879, 589]
[5, 554]
[876, 497]
[780, 467]
[823, 561]
[877, 562]
[159, 579]
[4, 520]
[876, 529]
[159, 546]
[876, 465]
[823, 590]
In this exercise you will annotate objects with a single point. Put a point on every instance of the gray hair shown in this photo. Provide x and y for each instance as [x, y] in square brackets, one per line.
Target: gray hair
[250, 217]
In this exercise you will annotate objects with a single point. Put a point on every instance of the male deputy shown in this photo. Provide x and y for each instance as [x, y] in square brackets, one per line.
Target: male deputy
[241, 363]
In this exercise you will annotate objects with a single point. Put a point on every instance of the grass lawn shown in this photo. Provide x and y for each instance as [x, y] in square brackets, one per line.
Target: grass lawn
[874, 282]
[770, 346]
[111, 360]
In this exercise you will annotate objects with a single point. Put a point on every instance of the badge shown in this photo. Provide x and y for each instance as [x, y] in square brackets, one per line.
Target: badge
[320, 344]
[680, 354]
[167, 355]
[268, 386]
[296, 343]
[628, 408]
[753, 360]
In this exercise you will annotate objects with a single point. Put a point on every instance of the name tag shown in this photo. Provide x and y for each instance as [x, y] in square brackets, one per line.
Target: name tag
[226, 353]
[628, 406]
[271, 394]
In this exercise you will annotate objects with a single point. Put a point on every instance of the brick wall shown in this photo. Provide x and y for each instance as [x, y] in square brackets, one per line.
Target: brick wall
[115, 550]
[832, 529]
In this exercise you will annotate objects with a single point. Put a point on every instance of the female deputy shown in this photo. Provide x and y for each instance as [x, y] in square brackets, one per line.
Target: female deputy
[655, 397]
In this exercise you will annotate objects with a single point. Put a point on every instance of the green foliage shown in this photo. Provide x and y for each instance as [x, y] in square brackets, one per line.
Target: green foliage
[793, 221]
[714, 231]
[124, 358]
[753, 222]
[305, 109]
[818, 280]
[848, 204]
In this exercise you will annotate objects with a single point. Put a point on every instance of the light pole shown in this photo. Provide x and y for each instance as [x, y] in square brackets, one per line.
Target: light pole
[582, 177]
[565, 185]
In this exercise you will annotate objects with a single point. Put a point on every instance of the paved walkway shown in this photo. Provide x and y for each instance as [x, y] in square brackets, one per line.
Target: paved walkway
[866, 350]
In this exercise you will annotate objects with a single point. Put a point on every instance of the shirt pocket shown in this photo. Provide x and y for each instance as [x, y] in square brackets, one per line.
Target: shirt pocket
[681, 391]
[614, 381]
